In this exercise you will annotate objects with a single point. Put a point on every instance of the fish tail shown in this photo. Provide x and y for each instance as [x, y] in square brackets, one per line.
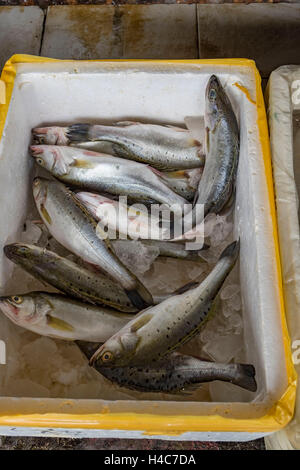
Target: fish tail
[78, 132]
[231, 251]
[139, 299]
[245, 377]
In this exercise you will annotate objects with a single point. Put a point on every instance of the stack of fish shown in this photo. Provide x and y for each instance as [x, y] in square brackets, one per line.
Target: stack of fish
[103, 301]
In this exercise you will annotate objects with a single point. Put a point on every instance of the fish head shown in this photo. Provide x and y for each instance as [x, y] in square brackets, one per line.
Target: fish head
[53, 158]
[19, 309]
[20, 251]
[217, 104]
[116, 351]
[212, 101]
[50, 135]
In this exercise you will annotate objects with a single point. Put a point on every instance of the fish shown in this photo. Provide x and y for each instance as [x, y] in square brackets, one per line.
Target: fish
[57, 316]
[163, 147]
[159, 330]
[217, 183]
[73, 226]
[68, 277]
[182, 182]
[176, 373]
[170, 249]
[180, 374]
[131, 221]
[100, 172]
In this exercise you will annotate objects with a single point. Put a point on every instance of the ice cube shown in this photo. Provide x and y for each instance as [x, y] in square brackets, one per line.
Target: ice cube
[229, 291]
[136, 256]
[224, 348]
[209, 224]
[227, 392]
[235, 302]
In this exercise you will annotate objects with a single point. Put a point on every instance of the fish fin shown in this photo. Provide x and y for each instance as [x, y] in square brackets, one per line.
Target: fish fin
[79, 163]
[177, 174]
[58, 324]
[62, 162]
[140, 322]
[136, 299]
[45, 214]
[78, 132]
[156, 172]
[185, 288]
[246, 377]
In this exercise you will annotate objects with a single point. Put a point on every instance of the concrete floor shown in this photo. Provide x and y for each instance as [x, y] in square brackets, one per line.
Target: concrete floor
[52, 443]
[268, 33]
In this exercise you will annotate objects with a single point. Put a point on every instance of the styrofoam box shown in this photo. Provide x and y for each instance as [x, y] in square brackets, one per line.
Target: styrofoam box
[283, 96]
[63, 92]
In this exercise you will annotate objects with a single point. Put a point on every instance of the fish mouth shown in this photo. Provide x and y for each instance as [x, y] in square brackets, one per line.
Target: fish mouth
[96, 356]
[213, 82]
[36, 150]
[8, 309]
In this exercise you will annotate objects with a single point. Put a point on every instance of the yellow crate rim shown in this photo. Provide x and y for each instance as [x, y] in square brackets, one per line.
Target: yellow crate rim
[169, 425]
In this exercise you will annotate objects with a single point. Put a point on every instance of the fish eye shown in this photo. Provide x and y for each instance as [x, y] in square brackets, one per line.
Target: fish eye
[40, 161]
[212, 94]
[107, 356]
[17, 299]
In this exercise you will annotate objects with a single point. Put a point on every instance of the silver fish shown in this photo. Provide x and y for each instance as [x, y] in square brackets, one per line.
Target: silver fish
[217, 182]
[100, 172]
[69, 277]
[159, 330]
[176, 373]
[72, 225]
[163, 147]
[122, 219]
[58, 316]
[170, 249]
